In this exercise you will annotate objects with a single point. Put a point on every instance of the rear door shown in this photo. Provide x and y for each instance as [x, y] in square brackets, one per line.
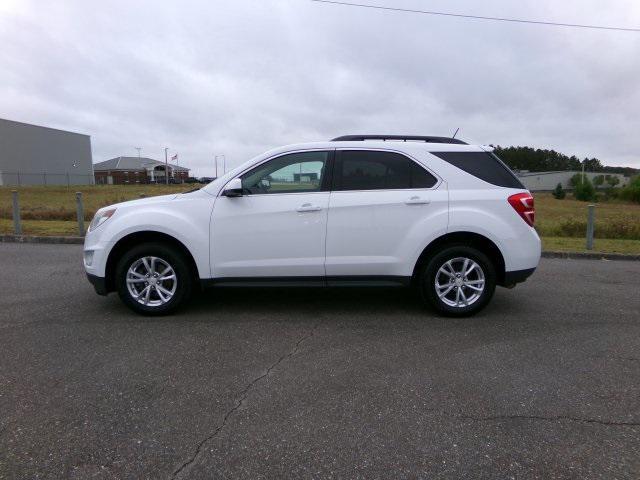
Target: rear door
[383, 208]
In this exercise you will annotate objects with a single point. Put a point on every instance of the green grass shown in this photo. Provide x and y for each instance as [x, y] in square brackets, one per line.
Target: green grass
[42, 227]
[604, 245]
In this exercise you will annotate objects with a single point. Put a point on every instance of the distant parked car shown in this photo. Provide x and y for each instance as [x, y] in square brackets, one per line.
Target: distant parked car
[446, 217]
[207, 179]
[191, 180]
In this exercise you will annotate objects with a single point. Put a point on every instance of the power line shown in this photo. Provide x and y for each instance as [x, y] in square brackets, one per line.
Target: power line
[479, 17]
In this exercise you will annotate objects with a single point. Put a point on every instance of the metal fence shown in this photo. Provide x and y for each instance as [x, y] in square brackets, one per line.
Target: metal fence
[44, 178]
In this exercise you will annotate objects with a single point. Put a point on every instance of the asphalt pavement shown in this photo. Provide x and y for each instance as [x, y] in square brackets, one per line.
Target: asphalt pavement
[318, 383]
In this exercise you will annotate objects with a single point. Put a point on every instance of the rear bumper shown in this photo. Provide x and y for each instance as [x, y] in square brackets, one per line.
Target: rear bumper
[99, 284]
[517, 276]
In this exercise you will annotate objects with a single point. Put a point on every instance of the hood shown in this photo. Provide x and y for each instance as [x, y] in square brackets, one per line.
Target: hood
[144, 201]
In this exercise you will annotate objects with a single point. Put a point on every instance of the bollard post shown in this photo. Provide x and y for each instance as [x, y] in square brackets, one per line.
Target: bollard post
[17, 225]
[80, 214]
[590, 226]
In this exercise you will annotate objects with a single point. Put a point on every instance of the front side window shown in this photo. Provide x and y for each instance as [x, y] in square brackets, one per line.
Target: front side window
[369, 170]
[292, 173]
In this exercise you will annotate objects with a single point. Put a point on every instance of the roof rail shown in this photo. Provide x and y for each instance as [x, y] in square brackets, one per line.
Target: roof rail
[404, 138]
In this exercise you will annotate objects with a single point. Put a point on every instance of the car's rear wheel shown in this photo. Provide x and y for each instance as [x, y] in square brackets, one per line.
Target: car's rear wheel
[153, 279]
[458, 281]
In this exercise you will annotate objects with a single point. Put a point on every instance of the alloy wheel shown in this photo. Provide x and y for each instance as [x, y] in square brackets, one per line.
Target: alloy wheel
[459, 282]
[151, 281]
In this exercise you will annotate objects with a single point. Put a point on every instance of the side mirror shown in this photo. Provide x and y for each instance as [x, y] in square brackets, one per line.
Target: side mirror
[233, 188]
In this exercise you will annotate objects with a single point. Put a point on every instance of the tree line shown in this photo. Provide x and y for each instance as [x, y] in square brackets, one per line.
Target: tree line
[538, 160]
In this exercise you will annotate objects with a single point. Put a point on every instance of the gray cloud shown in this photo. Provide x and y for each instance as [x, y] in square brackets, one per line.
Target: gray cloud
[239, 77]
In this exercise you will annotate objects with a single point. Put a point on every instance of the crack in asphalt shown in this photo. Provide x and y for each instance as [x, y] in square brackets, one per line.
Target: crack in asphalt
[242, 396]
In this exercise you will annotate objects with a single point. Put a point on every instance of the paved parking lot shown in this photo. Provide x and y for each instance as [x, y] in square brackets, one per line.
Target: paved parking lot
[545, 383]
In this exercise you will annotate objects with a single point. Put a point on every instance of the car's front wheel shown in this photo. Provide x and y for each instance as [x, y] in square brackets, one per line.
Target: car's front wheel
[153, 279]
[458, 281]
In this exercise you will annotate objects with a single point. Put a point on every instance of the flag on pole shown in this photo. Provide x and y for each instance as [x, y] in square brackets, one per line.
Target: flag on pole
[175, 157]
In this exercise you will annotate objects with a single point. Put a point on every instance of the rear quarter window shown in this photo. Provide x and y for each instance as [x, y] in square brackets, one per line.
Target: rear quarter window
[483, 165]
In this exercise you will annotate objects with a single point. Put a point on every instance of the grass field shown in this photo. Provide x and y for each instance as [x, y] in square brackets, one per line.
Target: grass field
[561, 223]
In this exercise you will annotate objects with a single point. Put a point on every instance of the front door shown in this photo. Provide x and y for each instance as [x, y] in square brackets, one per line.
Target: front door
[277, 228]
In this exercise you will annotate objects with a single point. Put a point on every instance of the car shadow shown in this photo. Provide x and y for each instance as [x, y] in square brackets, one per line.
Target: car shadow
[275, 301]
[275, 304]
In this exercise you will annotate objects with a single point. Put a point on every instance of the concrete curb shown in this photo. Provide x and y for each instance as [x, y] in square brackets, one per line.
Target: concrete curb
[41, 239]
[80, 241]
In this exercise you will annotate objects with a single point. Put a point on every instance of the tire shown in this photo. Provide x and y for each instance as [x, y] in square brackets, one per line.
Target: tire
[141, 269]
[445, 287]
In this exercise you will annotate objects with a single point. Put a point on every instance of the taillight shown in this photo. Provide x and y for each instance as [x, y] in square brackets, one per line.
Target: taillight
[523, 204]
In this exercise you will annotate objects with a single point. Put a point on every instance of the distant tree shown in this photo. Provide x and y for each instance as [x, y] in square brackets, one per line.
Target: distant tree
[583, 189]
[574, 163]
[559, 192]
[537, 160]
[592, 165]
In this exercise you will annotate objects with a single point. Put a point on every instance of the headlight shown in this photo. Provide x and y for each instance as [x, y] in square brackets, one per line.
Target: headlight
[100, 217]
[88, 257]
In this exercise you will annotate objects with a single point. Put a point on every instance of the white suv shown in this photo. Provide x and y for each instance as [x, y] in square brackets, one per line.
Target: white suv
[371, 210]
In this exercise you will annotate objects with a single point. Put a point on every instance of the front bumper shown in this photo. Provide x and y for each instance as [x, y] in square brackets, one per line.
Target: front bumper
[99, 284]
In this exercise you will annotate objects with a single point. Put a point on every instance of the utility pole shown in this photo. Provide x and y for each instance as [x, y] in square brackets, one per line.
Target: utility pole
[166, 166]
[224, 164]
[138, 148]
[583, 171]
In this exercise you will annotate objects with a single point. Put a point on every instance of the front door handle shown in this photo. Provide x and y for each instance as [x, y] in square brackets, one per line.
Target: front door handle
[308, 207]
[416, 200]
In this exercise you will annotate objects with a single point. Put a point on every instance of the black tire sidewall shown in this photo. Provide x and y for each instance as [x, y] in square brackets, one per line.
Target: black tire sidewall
[429, 273]
[168, 254]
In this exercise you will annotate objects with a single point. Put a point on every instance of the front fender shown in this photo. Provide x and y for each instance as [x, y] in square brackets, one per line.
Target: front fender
[185, 220]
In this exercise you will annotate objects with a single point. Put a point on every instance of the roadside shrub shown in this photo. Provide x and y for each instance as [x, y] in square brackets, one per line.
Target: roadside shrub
[598, 181]
[559, 192]
[583, 189]
[632, 191]
[612, 180]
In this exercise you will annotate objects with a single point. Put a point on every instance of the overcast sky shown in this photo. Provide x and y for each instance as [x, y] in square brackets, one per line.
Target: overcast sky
[238, 77]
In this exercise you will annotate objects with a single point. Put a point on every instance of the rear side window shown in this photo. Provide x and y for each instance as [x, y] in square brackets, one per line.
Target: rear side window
[368, 170]
[483, 165]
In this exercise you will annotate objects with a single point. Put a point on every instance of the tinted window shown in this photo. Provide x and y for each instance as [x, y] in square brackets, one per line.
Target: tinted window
[363, 170]
[485, 166]
[296, 172]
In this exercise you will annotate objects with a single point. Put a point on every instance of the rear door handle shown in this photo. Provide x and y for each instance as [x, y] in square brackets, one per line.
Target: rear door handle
[308, 207]
[416, 200]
